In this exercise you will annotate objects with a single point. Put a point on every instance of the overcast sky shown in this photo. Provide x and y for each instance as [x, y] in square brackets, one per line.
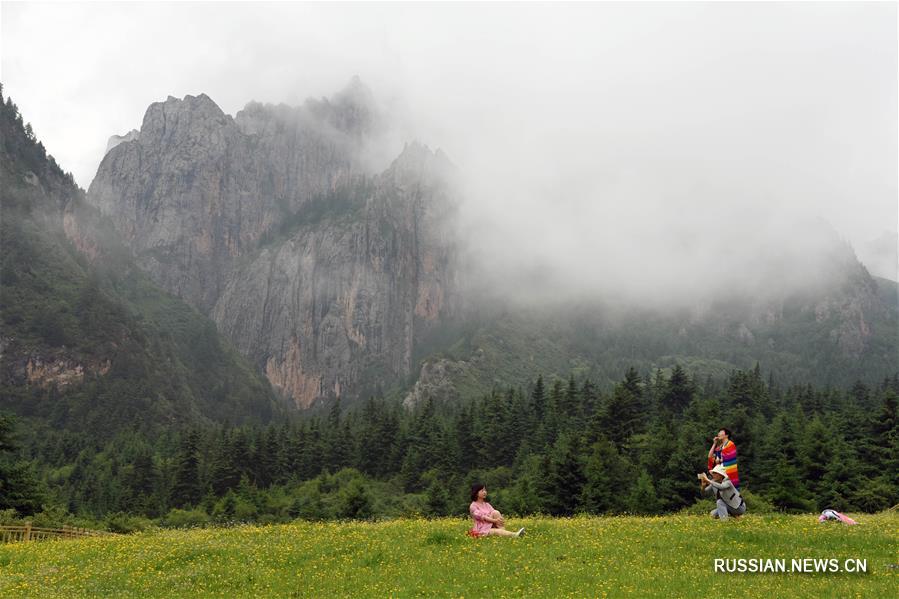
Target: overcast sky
[667, 131]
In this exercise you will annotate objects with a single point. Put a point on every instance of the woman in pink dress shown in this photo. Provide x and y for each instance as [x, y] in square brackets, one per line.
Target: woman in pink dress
[487, 521]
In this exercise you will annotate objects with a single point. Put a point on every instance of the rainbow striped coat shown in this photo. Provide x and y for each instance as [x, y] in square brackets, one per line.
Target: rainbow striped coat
[728, 455]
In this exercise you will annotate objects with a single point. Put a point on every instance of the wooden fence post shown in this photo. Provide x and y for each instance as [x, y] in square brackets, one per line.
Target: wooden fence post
[27, 532]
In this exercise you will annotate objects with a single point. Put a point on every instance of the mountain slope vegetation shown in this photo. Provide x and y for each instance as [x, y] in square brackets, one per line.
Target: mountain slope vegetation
[88, 342]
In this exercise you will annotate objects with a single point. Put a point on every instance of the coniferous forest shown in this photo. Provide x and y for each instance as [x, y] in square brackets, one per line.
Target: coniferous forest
[135, 444]
[554, 447]
[411, 300]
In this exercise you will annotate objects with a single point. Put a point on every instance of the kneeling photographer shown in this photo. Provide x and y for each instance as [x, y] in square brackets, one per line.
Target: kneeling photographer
[729, 501]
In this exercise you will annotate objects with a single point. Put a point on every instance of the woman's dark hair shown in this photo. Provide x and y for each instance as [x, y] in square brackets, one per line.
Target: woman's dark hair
[475, 488]
[726, 431]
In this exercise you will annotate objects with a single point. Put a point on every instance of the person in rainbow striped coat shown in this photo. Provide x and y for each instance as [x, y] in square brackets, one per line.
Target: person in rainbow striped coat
[724, 452]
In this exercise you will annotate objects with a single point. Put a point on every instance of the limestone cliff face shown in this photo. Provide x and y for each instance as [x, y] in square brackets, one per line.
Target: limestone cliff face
[54, 367]
[319, 270]
[196, 188]
[118, 139]
[338, 306]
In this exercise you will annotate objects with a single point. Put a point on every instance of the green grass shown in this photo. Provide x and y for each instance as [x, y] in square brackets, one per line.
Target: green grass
[669, 556]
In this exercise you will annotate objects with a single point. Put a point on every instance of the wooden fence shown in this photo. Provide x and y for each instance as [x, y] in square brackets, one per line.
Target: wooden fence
[27, 532]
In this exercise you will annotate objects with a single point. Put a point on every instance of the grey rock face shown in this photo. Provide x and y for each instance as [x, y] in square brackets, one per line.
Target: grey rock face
[436, 382]
[321, 273]
[119, 139]
[194, 191]
[342, 300]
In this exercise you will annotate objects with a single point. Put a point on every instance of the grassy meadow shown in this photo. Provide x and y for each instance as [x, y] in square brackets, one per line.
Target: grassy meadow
[670, 556]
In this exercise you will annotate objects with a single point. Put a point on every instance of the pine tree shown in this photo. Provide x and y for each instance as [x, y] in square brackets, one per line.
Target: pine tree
[464, 452]
[606, 479]
[391, 435]
[642, 498]
[19, 488]
[437, 502]
[759, 391]
[269, 458]
[566, 476]
[226, 509]
[355, 501]
[340, 449]
[886, 438]
[842, 477]
[337, 439]
[816, 451]
[543, 485]
[141, 482]
[371, 450]
[622, 415]
[632, 383]
[293, 452]
[676, 482]
[571, 402]
[411, 470]
[552, 418]
[656, 391]
[653, 449]
[497, 442]
[589, 399]
[422, 436]
[519, 418]
[538, 399]
[787, 491]
[779, 475]
[186, 490]
[278, 442]
[309, 505]
[7, 434]
[678, 391]
[312, 452]
[227, 460]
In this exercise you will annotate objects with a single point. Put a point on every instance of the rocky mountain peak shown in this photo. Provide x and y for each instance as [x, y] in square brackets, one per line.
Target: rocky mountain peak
[320, 267]
[115, 140]
[194, 117]
[417, 162]
[353, 110]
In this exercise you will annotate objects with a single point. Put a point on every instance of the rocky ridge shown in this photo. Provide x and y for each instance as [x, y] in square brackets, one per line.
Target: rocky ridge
[326, 272]
[320, 271]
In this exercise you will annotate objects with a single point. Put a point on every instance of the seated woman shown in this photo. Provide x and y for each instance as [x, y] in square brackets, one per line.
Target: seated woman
[487, 521]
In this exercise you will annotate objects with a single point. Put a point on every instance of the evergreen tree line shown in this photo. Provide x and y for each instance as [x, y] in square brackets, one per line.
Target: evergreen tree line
[28, 147]
[556, 447]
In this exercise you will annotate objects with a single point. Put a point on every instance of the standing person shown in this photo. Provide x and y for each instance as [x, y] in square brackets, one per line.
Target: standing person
[724, 452]
[728, 499]
[487, 521]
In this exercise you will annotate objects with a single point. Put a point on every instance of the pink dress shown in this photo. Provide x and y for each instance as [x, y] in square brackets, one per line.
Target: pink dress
[478, 512]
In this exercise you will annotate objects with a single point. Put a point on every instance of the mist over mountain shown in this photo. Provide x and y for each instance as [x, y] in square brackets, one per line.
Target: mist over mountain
[322, 271]
[548, 246]
[618, 122]
[337, 279]
[880, 255]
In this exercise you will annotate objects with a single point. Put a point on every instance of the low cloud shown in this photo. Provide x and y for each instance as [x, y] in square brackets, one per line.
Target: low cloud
[653, 151]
